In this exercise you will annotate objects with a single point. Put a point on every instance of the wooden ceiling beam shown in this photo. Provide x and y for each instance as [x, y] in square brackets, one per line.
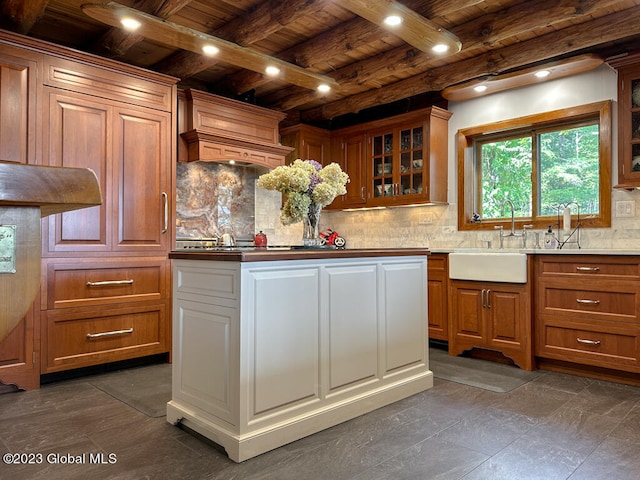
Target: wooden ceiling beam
[116, 41]
[187, 39]
[20, 15]
[602, 30]
[266, 18]
[486, 30]
[414, 29]
[348, 36]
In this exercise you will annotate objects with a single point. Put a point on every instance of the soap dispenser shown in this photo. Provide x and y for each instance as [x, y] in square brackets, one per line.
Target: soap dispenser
[550, 241]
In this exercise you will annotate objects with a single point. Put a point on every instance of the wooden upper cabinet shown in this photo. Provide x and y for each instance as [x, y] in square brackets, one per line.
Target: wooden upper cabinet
[628, 121]
[352, 149]
[142, 183]
[400, 160]
[407, 159]
[308, 143]
[78, 135]
[127, 147]
[18, 104]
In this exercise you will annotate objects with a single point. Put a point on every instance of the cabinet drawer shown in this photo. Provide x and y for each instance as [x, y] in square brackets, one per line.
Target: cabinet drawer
[623, 267]
[590, 299]
[83, 284]
[593, 344]
[82, 337]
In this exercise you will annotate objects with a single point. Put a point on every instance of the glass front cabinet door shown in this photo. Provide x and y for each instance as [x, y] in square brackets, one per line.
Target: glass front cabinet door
[396, 160]
[628, 121]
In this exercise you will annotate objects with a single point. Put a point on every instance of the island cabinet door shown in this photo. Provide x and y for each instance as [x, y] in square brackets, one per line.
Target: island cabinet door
[350, 346]
[281, 322]
[403, 306]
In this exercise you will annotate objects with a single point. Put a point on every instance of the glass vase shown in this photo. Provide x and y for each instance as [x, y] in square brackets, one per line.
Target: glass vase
[310, 225]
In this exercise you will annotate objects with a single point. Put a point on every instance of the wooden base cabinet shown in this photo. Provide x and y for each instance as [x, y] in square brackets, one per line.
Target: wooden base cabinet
[20, 352]
[438, 275]
[494, 316]
[104, 311]
[82, 337]
[587, 310]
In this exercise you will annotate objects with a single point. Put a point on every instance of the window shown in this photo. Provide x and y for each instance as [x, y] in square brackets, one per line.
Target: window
[539, 163]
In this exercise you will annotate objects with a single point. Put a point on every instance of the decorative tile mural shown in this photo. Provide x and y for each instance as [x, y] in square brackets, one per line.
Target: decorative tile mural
[214, 198]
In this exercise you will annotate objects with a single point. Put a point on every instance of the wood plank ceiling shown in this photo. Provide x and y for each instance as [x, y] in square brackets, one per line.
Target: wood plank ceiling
[375, 69]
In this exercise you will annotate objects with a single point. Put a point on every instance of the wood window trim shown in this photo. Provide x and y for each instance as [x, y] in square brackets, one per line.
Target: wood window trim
[466, 163]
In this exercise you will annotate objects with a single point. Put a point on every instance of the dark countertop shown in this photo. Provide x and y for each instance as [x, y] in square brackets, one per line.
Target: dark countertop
[542, 251]
[277, 254]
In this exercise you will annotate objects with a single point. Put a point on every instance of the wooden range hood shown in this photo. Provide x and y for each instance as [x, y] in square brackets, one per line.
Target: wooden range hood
[218, 129]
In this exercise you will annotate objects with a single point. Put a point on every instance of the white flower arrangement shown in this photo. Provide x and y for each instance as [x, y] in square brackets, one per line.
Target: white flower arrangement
[306, 184]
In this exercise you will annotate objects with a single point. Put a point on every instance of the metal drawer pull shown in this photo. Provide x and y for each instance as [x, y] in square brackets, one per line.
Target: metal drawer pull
[588, 269]
[110, 334]
[588, 342]
[587, 301]
[110, 283]
[165, 201]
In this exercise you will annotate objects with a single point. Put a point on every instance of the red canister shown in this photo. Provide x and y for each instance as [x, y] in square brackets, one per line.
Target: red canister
[260, 239]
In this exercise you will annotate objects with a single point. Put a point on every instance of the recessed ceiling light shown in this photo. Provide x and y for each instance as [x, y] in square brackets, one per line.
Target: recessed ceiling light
[480, 88]
[210, 50]
[130, 24]
[542, 73]
[323, 88]
[393, 20]
[272, 71]
[440, 48]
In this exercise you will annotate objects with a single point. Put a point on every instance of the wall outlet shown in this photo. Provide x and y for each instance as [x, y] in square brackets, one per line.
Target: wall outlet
[626, 208]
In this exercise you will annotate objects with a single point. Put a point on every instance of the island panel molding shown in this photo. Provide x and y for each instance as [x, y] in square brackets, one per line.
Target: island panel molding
[266, 352]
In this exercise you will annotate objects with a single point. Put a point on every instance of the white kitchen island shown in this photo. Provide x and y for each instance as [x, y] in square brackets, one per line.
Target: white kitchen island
[271, 346]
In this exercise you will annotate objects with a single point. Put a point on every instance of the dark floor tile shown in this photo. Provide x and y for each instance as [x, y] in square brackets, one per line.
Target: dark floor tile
[47, 398]
[103, 415]
[163, 458]
[487, 431]
[629, 428]
[552, 427]
[527, 460]
[605, 398]
[36, 432]
[139, 429]
[574, 429]
[431, 459]
[563, 381]
[72, 460]
[534, 401]
[613, 459]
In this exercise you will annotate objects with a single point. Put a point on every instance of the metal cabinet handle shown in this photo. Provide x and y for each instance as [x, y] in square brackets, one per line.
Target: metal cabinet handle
[110, 283]
[588, 342]
[165, 199]
[486, 301]
[587, 301]
[110, 334]
[588, 269]
[362, 193]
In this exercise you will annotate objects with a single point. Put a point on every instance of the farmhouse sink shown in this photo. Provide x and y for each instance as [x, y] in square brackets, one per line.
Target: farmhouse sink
[488, 265]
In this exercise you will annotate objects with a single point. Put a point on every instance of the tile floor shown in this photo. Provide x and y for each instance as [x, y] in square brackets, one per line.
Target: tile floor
[555, 427]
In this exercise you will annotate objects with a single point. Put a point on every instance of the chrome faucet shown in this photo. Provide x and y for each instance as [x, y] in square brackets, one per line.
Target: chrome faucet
[513, 222]
[513, 232]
